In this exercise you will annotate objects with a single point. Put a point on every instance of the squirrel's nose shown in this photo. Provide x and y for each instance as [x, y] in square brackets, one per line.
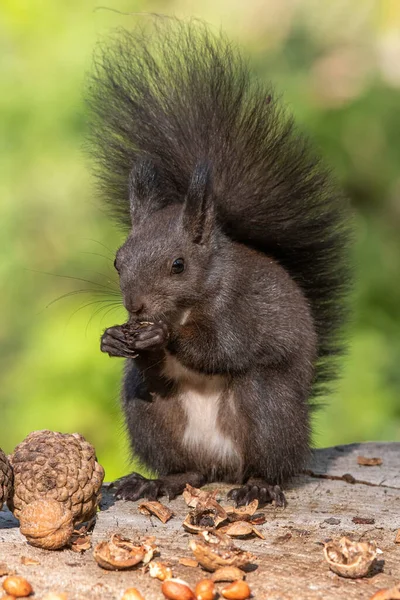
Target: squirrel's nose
[135, 306]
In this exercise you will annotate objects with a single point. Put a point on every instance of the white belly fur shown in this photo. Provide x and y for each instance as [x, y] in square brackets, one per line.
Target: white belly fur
[200, 396]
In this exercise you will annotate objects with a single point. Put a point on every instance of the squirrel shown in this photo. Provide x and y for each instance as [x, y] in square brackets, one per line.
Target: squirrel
[234, 270]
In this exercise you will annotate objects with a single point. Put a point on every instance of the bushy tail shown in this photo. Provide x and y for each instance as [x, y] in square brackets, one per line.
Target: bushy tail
[181, 94]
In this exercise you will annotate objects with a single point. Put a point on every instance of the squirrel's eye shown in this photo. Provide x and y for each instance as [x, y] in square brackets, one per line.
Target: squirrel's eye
[178, 266]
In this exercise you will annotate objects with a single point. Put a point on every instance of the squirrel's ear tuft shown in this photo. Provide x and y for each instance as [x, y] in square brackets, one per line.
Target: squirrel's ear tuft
[198, 210]
[146, 189]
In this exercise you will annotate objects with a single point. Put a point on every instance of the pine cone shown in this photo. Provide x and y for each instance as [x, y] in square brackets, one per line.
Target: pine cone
[60, 466]
[6, 478]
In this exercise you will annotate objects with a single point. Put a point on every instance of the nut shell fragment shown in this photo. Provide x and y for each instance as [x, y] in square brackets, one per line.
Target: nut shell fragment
[227, 574]
[46, 523]
[193, 496]
[350, 559]
[122, 553]
[242, 513]
[241, 529]
[366, 461]
[161, 511]
[214, 550]
[6, 478]
[60, 467]
[188, 562]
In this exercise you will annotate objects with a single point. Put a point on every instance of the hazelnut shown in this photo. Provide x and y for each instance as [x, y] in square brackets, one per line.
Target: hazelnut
[205, 590]
[132, 594]
[177, 589]
[46, 523]
[237, 590]
[55, 596]
[17, 586]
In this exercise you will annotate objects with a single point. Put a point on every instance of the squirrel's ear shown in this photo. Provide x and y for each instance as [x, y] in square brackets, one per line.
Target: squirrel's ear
[145, 189]
[198, 210]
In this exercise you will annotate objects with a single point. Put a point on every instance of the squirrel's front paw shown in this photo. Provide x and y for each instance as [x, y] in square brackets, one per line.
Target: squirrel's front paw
[129, 340]
[115, 343]
[151, 337]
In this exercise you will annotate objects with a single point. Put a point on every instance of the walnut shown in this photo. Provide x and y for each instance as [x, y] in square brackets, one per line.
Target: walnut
[351, 559]
[6, 478]
[47, 523]
[214, 550]
[56, 466]
[122, 553]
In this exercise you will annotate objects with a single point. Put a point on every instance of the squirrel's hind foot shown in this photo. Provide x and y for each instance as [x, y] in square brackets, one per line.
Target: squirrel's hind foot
[258, 489]
[135, 486]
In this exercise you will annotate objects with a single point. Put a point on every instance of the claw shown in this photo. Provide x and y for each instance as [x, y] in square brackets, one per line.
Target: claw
[263, 492]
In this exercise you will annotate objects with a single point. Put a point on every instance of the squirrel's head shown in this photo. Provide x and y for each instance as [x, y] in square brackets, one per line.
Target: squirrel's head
[166, 261]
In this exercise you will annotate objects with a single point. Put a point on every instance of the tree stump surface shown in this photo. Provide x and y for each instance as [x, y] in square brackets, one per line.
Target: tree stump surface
[322, 504]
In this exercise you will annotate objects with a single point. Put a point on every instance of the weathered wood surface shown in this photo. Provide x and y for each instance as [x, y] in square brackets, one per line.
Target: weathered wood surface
[321, 505]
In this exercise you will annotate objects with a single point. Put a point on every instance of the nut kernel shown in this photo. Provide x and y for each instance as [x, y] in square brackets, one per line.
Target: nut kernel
[205, 590]
[177, 589]
[17, 586]
[132, 594]
[159, 570]
[238, 590]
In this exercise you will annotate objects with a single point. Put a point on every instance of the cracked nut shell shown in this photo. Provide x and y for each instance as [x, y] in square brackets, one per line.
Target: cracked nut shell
[122, 553]
[350, 559]
[47, 523]
[214, 550]
[6, 478]
[56, 466]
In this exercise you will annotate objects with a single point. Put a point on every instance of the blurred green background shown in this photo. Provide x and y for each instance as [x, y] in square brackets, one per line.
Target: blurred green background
[338, 65]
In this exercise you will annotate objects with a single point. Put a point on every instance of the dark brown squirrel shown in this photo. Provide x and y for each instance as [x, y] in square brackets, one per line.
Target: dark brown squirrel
[235, 259]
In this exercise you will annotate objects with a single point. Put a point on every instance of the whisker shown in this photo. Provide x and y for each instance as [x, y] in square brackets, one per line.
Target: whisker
[83, 291]
[100, 244]
[105, 275]
[85, 306]
[98, 254]
[70, 277]
[97, 312]
[108, 311]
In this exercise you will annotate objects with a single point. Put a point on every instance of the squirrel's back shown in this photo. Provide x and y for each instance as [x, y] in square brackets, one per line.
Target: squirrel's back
[180, 95]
